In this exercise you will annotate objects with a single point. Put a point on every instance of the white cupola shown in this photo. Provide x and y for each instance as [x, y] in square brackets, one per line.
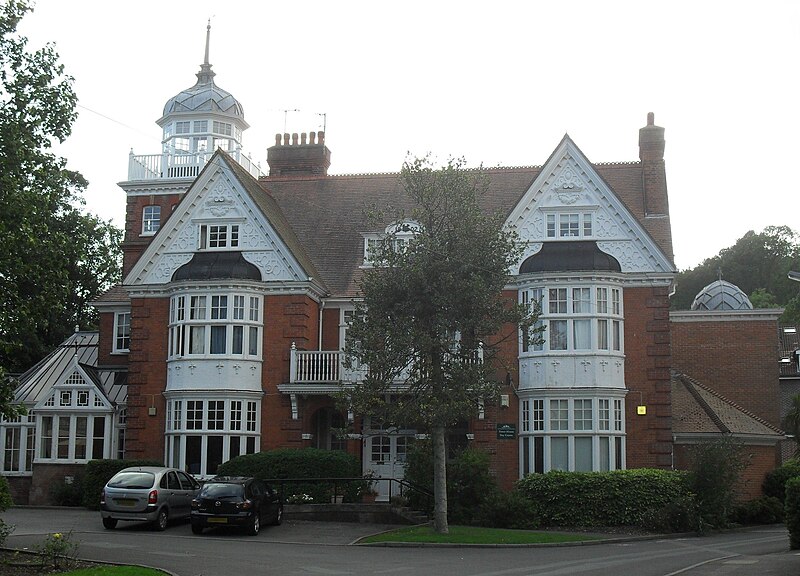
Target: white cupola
[202, 118]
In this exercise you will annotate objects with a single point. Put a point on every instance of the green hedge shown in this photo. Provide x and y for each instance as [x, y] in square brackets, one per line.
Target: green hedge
[775, 481]
[618, 498]
[300, 463]
[792, 512]
[99, 472]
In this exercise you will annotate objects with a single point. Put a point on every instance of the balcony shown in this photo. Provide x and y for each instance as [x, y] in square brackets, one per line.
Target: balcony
[327, 367]
[175, 166]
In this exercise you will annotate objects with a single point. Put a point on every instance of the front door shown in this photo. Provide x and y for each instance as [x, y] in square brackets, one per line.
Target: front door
[385, 451]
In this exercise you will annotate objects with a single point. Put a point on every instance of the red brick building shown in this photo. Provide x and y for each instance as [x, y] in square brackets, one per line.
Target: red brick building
[226, 334]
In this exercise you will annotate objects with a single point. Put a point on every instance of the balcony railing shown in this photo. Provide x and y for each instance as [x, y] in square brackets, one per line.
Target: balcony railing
[163, 166]
[327, 367]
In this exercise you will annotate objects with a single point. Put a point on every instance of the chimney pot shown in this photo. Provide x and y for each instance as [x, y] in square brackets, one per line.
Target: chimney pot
[312, 137]
[294, 139]
[286, 139]
[321, 136]
[303, 138]
[651, 119]
[277, 139]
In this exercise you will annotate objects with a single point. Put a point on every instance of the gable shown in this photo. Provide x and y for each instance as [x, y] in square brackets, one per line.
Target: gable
[74, 390]
[217, 199]
[568, 186]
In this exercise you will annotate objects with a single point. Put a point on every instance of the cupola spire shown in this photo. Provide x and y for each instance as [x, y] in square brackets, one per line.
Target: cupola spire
[206, 75]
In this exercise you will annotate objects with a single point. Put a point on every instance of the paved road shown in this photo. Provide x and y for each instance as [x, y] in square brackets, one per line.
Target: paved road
[321, 548]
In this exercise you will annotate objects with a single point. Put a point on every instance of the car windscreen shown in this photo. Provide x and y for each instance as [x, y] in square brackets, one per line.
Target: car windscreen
[222, 491]
[132, 480]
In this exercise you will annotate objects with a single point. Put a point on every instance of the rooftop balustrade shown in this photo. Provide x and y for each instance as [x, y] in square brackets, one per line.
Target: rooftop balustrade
[171, 165]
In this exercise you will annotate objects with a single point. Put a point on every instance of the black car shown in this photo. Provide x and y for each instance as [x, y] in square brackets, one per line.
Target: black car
[236, 501]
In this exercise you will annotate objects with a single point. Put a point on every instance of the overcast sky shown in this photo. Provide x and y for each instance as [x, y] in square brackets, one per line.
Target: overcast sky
[499, 83]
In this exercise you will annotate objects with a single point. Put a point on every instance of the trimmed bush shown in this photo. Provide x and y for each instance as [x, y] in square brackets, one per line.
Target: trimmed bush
[300, 463]
[792, 511]
[506, 510]
[5, 503]
[680, 515]
[764, 510]
[775, 481]
[617, 498]
[98, 472]
[63, 494]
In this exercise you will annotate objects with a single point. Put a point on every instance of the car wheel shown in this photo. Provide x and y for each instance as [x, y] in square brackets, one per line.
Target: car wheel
[278, 516]
[110, 523]
[197, 529]
[255, 526]
[161, 520]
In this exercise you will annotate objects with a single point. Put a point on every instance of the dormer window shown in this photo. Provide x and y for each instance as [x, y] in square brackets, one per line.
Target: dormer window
[219, 236]
[569, 225]
[151, 220]
[400, 235]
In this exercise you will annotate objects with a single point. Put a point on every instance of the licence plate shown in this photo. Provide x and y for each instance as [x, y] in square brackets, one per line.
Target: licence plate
[126, 502]
[217, 520]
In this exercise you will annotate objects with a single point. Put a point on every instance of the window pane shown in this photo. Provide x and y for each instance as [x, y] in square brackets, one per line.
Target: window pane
[80, 437]
[193, 448]
[559, 453]
[218, 339]
[213, 454]
[63, 437]
[252, 342]
[605, 453]
[602, 334]
[559, 414]
[238, 340]
[583, 414]
[583, 454]
[197, 340]
[582, 334]
[47, 437]
[558, 335]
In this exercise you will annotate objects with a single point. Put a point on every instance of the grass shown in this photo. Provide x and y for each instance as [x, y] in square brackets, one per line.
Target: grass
[114, 571]
[474, 535]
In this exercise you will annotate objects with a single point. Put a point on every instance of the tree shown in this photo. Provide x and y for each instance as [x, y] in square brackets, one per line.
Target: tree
[53, 258]
[431, 306]
[758, 263]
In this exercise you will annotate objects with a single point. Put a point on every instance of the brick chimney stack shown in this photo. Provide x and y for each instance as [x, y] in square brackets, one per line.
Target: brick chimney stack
[651, 153]
[299, 155]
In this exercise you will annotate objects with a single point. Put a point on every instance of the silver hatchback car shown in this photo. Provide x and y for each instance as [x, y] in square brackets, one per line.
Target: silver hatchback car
[148, 494]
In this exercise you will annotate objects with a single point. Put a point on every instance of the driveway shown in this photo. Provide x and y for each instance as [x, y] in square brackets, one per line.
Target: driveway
[321, 548]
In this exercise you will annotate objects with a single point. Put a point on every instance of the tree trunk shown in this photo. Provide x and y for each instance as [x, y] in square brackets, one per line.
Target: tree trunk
[439, 481]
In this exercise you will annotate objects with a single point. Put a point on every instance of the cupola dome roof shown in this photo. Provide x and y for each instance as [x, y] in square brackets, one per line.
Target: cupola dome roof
[721, 295]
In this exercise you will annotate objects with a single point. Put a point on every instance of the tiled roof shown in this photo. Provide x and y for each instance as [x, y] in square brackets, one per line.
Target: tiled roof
[328, 214]
[114, 295]
[697, 409]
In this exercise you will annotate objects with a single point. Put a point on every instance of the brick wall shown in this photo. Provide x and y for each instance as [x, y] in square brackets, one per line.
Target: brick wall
[134, 243]
[738, 359]
[647, 376]
[147, 378]
[761, 460]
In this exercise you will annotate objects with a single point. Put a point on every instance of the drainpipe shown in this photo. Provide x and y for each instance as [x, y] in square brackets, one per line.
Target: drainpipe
[321, 308]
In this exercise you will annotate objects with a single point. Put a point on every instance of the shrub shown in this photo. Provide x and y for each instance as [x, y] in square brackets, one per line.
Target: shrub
[776, 480]
[764, 510]
[469, 485]
[300, 463]
[469, 482]
[716, 467]
[98, 472]
[617, 498]
[507, 510]
[792, 510]
[5, 503]
[680, 515]
[68, 494]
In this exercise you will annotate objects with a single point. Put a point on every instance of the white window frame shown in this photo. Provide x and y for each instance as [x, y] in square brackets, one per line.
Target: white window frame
[122, 333]
[569, 225]
[151, 219]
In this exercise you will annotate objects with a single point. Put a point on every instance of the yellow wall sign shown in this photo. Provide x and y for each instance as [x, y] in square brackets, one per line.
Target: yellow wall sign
[641, 410]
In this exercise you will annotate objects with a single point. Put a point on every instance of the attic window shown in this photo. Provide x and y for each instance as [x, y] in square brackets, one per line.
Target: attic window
[569, 225]
[151, 220]
[399, 234]
[219, 236]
